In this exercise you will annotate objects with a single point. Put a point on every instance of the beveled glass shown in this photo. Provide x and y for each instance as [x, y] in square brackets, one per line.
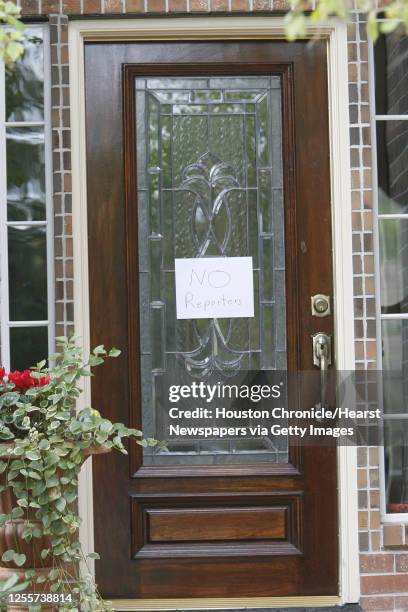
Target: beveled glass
[210, 184]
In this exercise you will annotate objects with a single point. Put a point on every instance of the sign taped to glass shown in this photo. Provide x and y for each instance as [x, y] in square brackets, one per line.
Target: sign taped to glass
[214, 287]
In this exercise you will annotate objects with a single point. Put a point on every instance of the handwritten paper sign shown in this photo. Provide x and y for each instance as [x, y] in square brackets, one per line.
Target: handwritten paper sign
[214, 288]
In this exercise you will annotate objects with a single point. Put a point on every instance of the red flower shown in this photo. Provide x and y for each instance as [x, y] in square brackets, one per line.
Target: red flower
[2, 374]
[23, 380]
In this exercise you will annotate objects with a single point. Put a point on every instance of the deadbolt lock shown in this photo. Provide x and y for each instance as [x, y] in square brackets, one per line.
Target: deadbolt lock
[320, 305]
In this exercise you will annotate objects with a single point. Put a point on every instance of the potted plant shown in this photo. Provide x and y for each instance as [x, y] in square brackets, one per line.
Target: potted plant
[44, 442]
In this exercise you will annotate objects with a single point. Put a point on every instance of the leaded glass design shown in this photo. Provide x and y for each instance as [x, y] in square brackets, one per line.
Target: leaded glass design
[209, 171]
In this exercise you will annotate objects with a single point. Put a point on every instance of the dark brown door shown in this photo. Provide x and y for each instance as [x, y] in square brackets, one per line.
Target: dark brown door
[208, 149]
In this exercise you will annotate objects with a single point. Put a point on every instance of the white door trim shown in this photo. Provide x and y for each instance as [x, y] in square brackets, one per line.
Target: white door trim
[224, 28]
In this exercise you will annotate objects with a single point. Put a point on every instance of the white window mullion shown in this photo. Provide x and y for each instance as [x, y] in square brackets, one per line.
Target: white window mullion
[28, 323]
[24, 124]
[391, 117]
[4, 293]
[49, 211]
[26, 224]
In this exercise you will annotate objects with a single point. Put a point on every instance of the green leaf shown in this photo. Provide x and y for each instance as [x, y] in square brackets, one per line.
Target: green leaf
[106, 426]
[21, 586]
[93, 555]
[114, 352]
[29, 574]
[33, 455]
[54, 573]
[71, 496]
[17, 513]
[8, 555]
[61, 504]
[34, 475]
[389, 25]
[99, 350]
[52, 482]
[3, 519]
[10, 582]
[372, 26]
[95, 361]
[19, 559]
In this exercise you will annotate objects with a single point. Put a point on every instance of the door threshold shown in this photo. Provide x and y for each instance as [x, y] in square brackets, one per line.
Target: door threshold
[230, 603]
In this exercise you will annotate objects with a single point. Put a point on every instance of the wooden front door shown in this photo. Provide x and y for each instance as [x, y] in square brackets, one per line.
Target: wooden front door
[208, 149]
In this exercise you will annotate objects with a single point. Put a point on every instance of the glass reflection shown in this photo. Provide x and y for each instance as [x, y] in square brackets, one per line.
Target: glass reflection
[393, 235]
[27, 273]
[28, 346]
[392, 163]
[395, 365]
[25, 174]
[396, 465]
[24, 84]
[391, 73]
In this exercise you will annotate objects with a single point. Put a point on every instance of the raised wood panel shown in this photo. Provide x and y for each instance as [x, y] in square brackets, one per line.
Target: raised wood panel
[217, 525]
[196, 525]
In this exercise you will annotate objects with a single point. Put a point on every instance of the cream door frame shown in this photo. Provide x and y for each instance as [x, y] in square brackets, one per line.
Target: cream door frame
[224, 28]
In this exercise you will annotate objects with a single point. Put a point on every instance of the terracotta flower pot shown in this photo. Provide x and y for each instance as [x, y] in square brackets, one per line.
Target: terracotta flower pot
[11, 537]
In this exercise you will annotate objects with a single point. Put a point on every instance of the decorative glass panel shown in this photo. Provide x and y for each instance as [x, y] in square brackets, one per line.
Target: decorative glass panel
[27, 273]
[209, 168]
[25, 83]
[25, 174]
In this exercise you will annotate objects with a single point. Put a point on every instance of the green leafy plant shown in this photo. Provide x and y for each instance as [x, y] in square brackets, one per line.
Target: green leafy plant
[45, 442]
[11, 36]
[382, 18]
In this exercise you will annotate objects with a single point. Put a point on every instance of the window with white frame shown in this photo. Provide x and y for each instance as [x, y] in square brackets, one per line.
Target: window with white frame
[391, 97]
[26, 221]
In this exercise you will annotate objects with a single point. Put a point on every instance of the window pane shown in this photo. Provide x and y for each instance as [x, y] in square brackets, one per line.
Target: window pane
[27, 273]
[25, 174]
[396, 465]
[394, 265]
[391, 73]
[28, 346]
[395, 365]
[24, 85]
[392, 164]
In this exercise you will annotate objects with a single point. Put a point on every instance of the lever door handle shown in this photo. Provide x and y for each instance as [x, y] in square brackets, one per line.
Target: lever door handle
[322, 359]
